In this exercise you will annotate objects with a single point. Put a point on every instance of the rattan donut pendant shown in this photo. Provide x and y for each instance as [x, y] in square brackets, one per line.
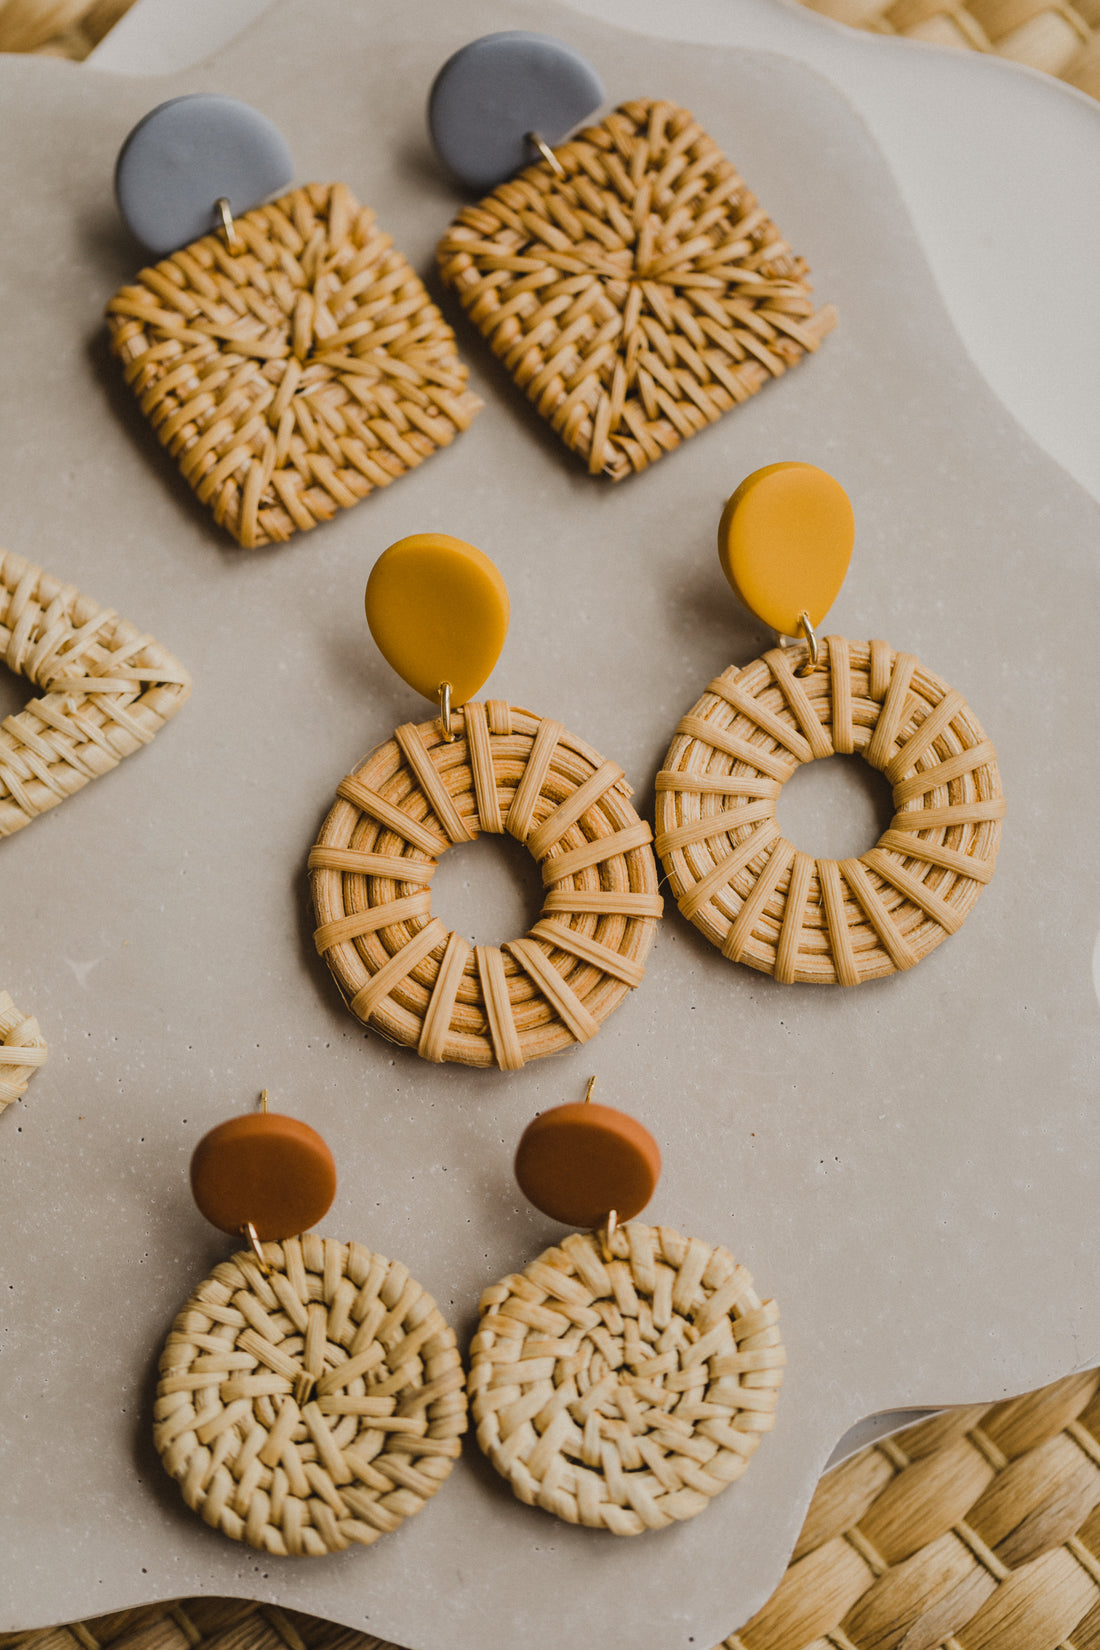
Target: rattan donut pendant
[626, 1376]
[311, 1396]
[438, 610]
[286, 354]
[785, 540]
[625, 276]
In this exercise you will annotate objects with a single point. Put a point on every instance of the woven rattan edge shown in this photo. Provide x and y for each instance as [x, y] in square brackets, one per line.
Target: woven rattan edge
[22, 1050]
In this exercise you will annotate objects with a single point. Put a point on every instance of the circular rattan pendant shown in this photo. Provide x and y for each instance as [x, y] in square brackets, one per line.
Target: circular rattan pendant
[751, 892]
[397, 966]
[312, 1407]
[624, 1396]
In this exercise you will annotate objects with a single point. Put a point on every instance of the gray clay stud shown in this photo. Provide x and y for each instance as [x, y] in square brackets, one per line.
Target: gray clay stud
[188, 153]
[488, 98]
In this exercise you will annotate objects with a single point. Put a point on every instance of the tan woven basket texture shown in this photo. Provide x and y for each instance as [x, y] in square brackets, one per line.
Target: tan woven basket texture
[976, 1530]
[104, 690]
[634, 289]
[22, 1050]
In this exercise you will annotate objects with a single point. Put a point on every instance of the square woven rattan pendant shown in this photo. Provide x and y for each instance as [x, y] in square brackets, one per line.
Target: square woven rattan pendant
[633, 286]
[104, 691]
[293, 376]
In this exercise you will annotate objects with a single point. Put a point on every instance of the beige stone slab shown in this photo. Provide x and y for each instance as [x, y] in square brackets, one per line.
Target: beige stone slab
[909, 1167]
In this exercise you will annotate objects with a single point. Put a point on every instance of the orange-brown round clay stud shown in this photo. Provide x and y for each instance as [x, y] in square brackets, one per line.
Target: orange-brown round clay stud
[266, 1170]
[579, 1162]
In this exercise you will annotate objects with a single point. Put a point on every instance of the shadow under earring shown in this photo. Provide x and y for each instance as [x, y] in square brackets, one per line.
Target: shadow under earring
[286, 354]
[310, 1394]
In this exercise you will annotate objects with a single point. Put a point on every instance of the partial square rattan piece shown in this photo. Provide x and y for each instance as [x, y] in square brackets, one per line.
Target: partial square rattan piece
[292, 378]
[639, 293]
[105, 690]
[22, 1050]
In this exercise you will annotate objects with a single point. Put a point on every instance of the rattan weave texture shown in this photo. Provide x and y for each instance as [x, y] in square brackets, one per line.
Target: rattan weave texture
[638, 296]
[761, 900]
[397, 966]
[312, 1408]
[624, 1395]
[291, 380]
[22, 1050]
[976, 1530]
[105, 690]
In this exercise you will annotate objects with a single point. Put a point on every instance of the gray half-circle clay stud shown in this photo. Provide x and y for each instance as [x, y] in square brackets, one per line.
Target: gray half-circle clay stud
[187, 154]
[488, 98]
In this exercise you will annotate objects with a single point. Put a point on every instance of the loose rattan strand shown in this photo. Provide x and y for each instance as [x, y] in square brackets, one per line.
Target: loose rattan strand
[976, 1530]
[636, 294]
[397, 966]
[312, 1407]
[762, 901]
[104, 690]
[291, 380]
[22, 1050]
[624, 1396]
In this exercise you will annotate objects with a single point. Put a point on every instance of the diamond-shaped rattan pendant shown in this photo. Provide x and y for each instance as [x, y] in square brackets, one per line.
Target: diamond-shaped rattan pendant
[104, 690]
[633, 286]
[293, 376]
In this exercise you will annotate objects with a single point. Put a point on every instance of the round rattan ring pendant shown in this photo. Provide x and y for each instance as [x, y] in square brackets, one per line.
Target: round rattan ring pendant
[398, 967]
[759, 899]
[624, 1395]
[313, 1405]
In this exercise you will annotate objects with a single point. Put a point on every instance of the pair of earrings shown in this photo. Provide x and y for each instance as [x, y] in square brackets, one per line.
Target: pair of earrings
[438, 610]
[311, 1395]
[291, 360]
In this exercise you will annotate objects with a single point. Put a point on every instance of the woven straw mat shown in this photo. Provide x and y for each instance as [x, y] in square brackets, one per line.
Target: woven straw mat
[750, 891]
[313, 1407]
[976, 1530]
[22, 1050]
[291, 378]
[397, 966]
[638, 295]
[104, 691]
[625, 1395]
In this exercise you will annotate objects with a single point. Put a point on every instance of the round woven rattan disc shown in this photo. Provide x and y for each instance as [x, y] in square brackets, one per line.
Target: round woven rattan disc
[759, 899]
[624, 1396]
[398, 967]
[313, 1407]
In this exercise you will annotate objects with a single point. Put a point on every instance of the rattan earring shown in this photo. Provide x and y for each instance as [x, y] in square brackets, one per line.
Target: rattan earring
[311, 1397]
[626, 1376]
[287, 355]
[784, 542]
[438, 610]
[627, 278]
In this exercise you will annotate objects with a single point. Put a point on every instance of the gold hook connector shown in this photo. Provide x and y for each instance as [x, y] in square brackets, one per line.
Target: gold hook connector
[546, 152]
[252, 1238]
[606, 1233]
[444, 692]
[809, 665]
[229, 229]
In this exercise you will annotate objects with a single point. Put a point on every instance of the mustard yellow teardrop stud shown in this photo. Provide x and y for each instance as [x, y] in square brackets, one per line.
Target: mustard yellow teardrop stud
[438, 611]
[785, 540]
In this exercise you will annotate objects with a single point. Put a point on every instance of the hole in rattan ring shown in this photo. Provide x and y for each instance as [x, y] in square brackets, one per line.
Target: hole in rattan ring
[750, 890]
[395, 963]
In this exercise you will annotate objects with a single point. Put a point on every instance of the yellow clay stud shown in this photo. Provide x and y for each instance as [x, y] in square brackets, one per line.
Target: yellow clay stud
[438, 610]
[785, 541]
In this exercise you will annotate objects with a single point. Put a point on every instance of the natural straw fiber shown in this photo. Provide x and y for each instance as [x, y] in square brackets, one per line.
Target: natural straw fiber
[636, 295]
[759, 899]
[105, 690]
[1052, 35]
[22, 1050]
[397, 966]
[976, 1530]
[625, 1395]
[292, 379]
[313, 1407]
